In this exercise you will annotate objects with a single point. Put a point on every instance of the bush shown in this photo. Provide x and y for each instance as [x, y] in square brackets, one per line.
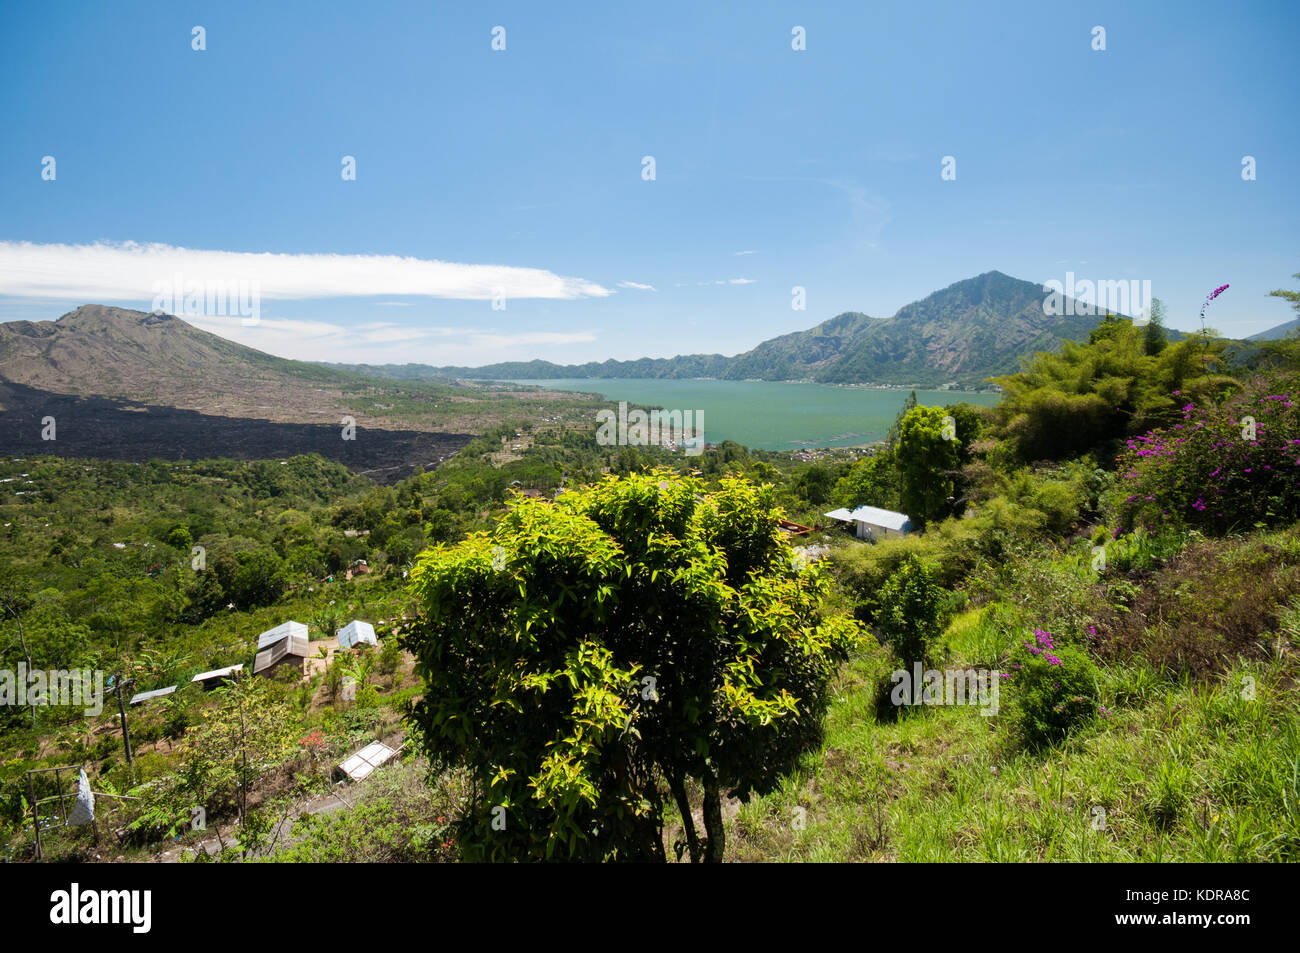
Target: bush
[910, 616]
[1226, 467]
[1213, 603]
[1053, 688]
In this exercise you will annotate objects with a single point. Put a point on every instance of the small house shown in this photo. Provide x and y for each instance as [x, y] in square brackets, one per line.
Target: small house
[871, 522]
[292, 649]
[356, 632]
[282, 631]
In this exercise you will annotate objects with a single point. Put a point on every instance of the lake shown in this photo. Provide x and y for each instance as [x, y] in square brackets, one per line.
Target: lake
[772, 415]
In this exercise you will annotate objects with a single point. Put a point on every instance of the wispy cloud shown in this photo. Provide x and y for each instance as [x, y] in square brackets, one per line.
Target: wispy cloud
[130, 271]
[381, 342]
[636, 285]
[747, 252]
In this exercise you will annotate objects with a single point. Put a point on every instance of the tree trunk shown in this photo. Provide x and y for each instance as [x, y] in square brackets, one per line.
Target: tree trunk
[678, 787]
[716, 844]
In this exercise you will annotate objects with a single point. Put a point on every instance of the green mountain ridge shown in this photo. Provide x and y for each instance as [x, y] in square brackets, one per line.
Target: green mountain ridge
[960, 335]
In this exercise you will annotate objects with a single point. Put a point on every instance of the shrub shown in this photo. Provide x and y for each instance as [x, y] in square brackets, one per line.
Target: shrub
[1053, 689]
[390, 656]
[1222, 468]
[910, 616]
[1213, 603]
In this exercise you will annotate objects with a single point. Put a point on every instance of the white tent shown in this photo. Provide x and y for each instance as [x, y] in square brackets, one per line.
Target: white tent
[356, 632]
[282, 631]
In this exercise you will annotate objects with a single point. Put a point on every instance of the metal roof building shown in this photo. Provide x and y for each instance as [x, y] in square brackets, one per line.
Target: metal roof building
[292, 647]
[356, 632]
[209, 679]
[871, 521]
[148, 696]
[282, 631]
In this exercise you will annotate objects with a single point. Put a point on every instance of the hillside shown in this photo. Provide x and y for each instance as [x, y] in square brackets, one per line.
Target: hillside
[103, 351]
[1277, 333]
[130, 385]
[965, 333]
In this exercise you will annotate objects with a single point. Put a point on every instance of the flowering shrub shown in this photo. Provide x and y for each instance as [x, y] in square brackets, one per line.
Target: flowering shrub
[1053, 688]
[1222, 468]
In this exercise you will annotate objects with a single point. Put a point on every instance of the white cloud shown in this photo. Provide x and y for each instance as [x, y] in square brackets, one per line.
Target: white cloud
[379, 342]
[747, 252]
[130, 271]
[636, 285]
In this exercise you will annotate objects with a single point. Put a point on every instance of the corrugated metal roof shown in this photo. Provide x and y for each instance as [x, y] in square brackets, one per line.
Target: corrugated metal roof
[364, 762]
[295, 645]
[146, 696]
[218, 673]
[356, 631]
[886, 518]
[281, 631]
[874, 515]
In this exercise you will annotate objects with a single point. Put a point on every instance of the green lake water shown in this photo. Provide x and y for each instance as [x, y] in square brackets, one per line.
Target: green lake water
[771, 415]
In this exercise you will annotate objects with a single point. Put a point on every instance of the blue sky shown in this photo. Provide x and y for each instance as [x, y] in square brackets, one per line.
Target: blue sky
[774, 167]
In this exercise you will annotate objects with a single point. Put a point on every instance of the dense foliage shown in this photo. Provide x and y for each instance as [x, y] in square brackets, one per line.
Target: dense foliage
[637, 633]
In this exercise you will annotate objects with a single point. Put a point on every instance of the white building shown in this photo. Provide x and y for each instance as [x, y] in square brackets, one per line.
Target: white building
[871, 522]
[356, 632]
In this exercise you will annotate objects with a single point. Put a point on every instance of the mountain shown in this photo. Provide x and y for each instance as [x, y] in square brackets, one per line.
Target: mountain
[130, 385]
[963, 334]
[114, 352]
[1277, 333]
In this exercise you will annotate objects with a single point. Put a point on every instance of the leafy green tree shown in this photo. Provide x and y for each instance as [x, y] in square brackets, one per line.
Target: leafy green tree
[1085, 398]
[259, 581]
[927, 463]
[910, 611]
[246, 734]
[896, 429]
[873, 481]
[631, 636]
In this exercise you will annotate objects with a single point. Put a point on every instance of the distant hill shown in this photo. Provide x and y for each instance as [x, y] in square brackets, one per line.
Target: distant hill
[963, 334]
[115, 352]
[1277, 333]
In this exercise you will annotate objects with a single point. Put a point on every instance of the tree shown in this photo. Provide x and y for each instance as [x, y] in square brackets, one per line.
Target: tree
[891, 438]
[1292, 296]
[910, 611]
[927, 463]
[259, 581]
[872, 482]
[1084, 398]
[629, 637]
[1154, 337]
[247, 734]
